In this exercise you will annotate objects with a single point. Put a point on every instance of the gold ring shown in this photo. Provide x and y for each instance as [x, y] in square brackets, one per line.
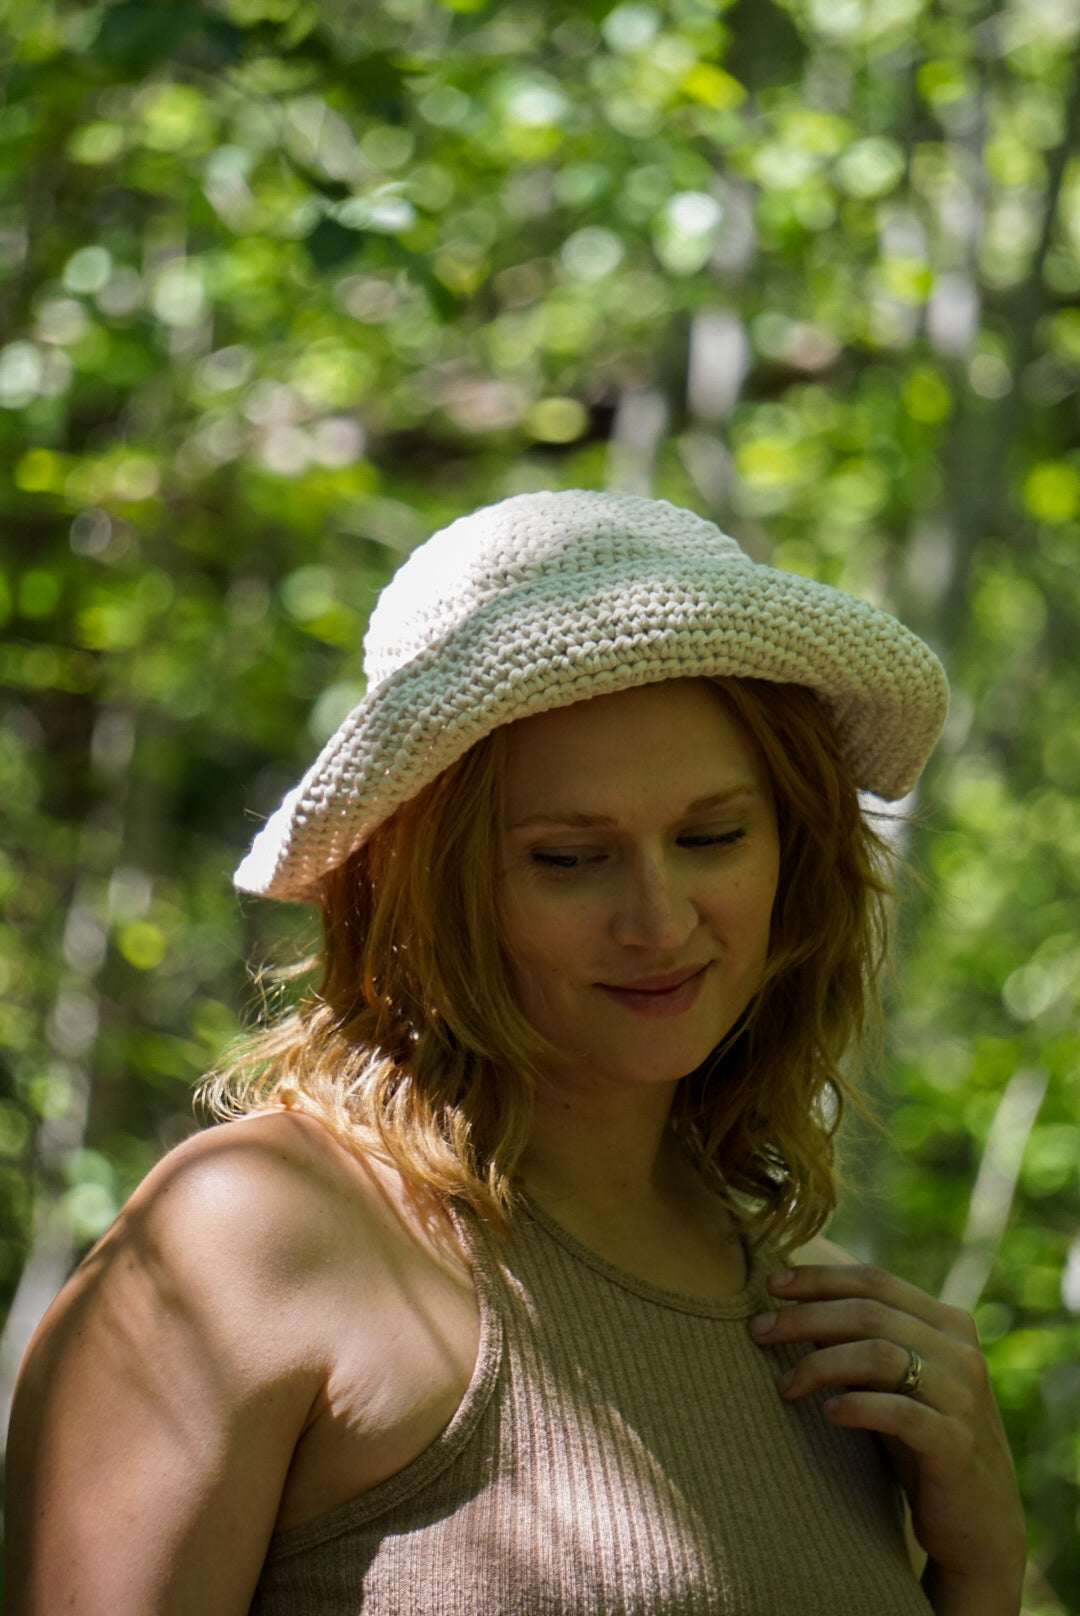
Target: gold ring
[913, 1374]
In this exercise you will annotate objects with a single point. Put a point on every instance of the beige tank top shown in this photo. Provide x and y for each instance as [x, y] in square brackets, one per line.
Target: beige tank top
[621, 1450]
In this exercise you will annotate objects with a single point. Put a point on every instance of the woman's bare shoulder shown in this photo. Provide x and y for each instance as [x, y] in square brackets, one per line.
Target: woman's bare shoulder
[820, 1252]
[187, 1355]
[272, 1172]
[257, 1188]
[233, 1229]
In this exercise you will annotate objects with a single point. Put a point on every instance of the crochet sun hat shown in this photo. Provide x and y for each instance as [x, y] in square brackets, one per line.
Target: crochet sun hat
[552, 598]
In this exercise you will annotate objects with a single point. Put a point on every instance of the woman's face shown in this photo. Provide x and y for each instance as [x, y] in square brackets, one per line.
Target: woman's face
[639, 862]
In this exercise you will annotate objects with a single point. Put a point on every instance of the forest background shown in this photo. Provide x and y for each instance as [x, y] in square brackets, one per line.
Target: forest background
[284, 286]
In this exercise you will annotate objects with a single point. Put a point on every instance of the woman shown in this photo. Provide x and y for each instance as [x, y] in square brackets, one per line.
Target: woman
[503, 1290]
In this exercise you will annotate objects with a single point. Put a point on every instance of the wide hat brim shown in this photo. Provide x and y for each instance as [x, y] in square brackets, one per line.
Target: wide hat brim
[883, 688]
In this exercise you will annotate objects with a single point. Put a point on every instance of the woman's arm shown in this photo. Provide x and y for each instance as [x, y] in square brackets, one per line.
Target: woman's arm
[946, 1441]
[158, 1407]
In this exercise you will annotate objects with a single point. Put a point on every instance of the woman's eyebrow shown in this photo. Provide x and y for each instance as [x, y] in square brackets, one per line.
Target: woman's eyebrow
[580, 821]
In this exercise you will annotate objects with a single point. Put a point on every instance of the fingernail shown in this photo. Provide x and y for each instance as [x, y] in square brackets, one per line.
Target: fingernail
[762, 1324]
[785, 1380]
[784, 1277]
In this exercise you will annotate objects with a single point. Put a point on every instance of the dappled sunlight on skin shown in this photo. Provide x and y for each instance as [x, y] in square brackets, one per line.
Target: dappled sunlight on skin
[134, 1245]
[149, 1380]
[148, 1280]
[226, 1321]
[359, 1401]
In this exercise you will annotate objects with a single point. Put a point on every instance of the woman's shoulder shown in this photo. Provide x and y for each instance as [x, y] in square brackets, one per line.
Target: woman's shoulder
[821, 1253]
[271, 1175]
[242, 1228]
[256, 1189]
[259, 1274]
[185, 1354]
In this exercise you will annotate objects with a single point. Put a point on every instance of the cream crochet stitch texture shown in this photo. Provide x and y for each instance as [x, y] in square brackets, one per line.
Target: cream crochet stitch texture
[551, 598]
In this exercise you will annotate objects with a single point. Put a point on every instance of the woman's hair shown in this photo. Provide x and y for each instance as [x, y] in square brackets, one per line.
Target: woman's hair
[414, 1045]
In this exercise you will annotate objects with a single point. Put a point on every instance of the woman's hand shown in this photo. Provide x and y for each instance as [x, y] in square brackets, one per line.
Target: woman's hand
[945, 1438]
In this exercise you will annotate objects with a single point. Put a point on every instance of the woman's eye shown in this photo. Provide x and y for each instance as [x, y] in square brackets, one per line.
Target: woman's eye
[726, 838]
[553, 860]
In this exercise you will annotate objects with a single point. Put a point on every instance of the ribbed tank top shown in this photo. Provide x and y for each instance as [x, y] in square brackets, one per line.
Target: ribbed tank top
[621, 1450]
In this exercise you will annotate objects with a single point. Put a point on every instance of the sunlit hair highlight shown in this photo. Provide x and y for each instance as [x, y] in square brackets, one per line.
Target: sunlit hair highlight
[413, 1045]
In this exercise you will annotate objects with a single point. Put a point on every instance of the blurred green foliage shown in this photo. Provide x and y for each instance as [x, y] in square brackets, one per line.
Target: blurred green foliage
[286, 285]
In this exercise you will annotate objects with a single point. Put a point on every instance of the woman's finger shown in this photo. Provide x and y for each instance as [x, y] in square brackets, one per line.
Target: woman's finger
[924, 1430]
[832, 1281]
[881, 1366]
[864, 1320]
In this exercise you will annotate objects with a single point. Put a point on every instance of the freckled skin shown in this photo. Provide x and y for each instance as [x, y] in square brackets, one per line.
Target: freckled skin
[652, 889]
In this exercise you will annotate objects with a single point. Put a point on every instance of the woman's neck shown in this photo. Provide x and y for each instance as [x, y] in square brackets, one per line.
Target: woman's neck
[617, 1178]
[597, 1148]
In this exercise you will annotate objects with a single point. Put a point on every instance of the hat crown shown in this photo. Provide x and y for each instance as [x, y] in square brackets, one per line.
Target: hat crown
[526, 541]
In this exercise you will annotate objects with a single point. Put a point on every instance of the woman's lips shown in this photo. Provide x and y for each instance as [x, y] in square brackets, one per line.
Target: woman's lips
[657, 996]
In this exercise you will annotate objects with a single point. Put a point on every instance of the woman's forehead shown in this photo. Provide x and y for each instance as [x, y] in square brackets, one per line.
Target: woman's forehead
[693, 705]
[678, 741]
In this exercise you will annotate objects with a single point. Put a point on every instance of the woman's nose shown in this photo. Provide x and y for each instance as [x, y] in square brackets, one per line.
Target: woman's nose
[653, 910]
